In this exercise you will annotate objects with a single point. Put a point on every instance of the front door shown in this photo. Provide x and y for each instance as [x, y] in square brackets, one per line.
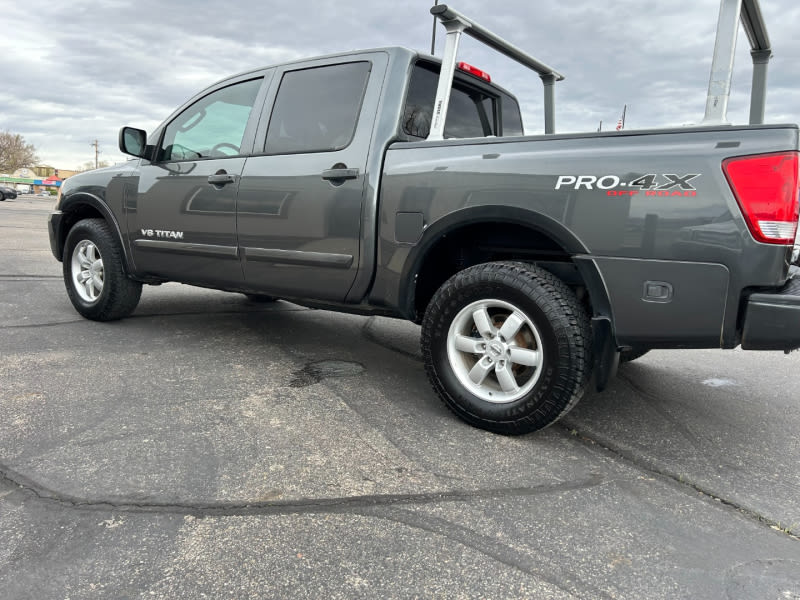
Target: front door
[300, 201]
[182, 221]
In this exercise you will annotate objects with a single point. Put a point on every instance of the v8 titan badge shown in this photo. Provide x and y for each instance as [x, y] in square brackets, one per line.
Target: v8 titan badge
[667, 184]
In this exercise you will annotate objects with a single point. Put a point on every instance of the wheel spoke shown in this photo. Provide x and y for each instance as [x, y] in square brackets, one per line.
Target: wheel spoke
[469, 344]
[89, 286]
[483, 322]
[512, 325]
[480, 371]
[523, 356]
[84, 260]
[505, 378]
[495, 350]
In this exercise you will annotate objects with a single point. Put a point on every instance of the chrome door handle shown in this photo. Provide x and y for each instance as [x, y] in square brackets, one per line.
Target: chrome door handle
[221, 179]
[339, 174]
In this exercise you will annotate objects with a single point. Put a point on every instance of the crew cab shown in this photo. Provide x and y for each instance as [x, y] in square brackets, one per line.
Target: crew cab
[393, 182]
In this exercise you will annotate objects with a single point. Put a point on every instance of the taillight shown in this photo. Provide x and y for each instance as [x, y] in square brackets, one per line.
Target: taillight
[766, 188]
[474, 71]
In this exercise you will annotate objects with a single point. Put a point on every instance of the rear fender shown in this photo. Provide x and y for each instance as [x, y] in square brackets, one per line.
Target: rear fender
[471, 216]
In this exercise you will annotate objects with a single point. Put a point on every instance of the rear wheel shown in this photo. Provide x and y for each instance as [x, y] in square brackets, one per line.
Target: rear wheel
[507, 347]
[94, 275]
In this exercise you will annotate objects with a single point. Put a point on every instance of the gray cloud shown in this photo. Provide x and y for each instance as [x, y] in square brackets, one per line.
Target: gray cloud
[101, 65]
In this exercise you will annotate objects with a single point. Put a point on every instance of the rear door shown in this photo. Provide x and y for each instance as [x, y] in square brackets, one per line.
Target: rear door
[300, 200]
[182, 218]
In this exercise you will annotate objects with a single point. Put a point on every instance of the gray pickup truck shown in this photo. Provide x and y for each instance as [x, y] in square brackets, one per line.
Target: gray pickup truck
[391, 182]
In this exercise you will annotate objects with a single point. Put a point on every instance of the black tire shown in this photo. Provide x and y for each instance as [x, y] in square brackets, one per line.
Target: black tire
[117, 295]
[555, 326]
[261, 298]
[630, 355]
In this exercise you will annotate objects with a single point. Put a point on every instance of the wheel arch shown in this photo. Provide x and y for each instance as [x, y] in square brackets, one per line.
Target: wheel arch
[531, 237]
[539, 239]
[83, 205]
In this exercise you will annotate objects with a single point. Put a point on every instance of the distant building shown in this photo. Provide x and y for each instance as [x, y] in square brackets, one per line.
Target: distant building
[37, 179]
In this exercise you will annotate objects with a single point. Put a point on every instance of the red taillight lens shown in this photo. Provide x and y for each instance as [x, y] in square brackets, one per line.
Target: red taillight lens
[474, 71]
[766, 188]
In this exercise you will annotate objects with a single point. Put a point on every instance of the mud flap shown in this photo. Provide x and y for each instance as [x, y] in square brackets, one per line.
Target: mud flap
[606, 355]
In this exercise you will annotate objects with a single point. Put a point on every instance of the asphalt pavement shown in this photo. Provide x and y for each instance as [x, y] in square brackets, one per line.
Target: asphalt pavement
[211, 447]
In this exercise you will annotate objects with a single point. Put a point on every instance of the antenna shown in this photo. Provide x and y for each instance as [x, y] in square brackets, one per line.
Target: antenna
[433, 34]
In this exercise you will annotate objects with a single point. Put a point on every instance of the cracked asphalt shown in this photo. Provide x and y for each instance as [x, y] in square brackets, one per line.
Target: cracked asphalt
[210, 447]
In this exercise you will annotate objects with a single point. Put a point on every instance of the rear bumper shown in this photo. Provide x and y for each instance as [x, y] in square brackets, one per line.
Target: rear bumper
[54, 229]
[772, 320]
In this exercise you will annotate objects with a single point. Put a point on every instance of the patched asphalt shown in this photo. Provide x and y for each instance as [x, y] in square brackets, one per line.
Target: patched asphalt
[212, 447]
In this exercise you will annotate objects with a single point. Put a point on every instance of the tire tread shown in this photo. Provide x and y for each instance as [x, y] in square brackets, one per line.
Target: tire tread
[120, 294]
[561, 308]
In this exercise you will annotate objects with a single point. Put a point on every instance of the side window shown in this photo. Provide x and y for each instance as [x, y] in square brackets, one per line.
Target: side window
[212, 127]
[472, 112]
[419, 102]
[512, 119]
[467, 116]
[316, 110]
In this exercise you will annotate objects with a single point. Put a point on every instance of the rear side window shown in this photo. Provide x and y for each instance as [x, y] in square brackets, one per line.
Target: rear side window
[316, 110]
[512, 119]
[471, 113]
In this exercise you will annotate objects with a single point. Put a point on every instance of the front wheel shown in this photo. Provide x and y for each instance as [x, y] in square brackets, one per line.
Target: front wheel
[94, 275]
[507, 346]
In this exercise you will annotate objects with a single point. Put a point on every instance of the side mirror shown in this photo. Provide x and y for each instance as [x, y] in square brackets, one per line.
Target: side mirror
[133, 141]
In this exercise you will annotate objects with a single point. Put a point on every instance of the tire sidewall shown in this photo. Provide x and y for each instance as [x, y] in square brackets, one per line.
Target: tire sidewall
[96, 233]
[460, 399]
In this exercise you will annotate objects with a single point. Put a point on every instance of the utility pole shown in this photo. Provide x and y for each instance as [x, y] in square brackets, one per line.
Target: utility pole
[96, 145]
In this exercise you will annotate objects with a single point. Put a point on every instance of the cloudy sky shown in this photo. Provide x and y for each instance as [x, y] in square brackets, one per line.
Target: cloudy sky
[73, 72]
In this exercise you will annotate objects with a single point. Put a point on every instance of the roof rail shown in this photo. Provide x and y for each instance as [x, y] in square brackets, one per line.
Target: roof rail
[719, 85]
[455, 24]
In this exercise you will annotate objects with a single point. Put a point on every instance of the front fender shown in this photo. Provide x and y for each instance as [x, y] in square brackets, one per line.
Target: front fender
[82, 204]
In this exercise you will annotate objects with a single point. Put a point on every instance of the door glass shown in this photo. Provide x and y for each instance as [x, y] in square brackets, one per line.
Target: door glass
[317, 109]
[212, 127]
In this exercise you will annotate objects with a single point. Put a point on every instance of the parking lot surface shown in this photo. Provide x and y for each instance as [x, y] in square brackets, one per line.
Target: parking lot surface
[210, 447]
